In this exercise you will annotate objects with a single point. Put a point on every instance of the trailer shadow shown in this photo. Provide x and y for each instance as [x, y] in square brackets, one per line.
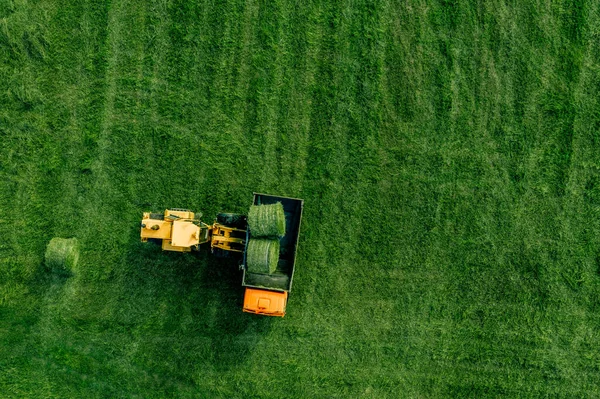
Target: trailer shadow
[234, 334]
[197, 298]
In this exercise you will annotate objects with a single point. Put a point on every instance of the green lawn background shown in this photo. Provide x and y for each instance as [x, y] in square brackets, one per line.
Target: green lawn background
[448, 155]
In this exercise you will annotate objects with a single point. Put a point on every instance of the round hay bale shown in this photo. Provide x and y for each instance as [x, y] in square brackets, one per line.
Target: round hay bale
[262, 255]
[267, 220]
[62, 254]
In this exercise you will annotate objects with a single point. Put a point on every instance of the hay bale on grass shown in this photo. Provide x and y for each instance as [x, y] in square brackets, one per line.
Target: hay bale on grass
[62, 254]
[267, 220]
[262, 255]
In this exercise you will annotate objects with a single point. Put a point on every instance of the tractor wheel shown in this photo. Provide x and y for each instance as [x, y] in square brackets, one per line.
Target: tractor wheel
[232, 220]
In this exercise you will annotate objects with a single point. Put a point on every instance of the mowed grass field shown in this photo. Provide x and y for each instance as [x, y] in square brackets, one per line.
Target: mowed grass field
[448, 153]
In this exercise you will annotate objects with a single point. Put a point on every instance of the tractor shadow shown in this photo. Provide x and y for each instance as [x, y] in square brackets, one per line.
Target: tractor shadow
[198, 298]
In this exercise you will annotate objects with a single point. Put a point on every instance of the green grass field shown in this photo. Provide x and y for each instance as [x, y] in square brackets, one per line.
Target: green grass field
[448, 153]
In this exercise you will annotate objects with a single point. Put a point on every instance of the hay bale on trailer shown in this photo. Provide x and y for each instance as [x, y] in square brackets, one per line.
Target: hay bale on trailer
[262, 255]
[267, 220]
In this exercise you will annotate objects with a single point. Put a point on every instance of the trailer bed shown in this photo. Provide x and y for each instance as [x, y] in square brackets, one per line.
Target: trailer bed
[283, 277]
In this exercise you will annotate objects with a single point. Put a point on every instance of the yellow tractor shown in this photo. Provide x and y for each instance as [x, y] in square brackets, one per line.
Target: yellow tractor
[266, 293]
[182, 230]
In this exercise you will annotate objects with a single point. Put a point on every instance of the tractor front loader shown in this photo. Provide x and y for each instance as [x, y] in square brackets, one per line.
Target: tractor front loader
[182, 230]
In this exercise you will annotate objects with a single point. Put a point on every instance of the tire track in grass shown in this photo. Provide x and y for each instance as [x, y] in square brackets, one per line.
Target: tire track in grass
[30, 163]
[225, 133]
[80, 99]
[271, 89]
[149, 122]
[402, 132]
[113, 52]
[492, 100]
[99, 230]
[478, 102]
[268, 80]
[516, 80]
[582, 207]
[284, 82]
[244, 104]
[322, 185]
[298, 36]
[543, 120]
[577, 268]
[140, 125]
[197, 86]
[363, 102]
[409, 143]
[295, 163]
[450, 170]
[358, 110]
[138, 89]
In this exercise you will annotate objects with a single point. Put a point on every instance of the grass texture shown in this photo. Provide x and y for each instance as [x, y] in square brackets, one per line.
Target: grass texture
[447, 153]
[262, 255]
[62, 254]
[266, 220]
